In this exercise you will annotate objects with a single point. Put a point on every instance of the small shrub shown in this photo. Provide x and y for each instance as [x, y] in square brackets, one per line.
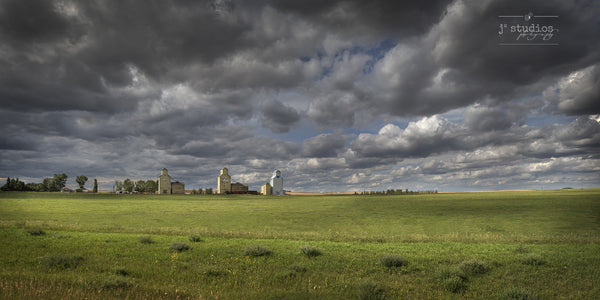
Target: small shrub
[195, 238]
[370, 291]
[393, 261]
[298, 269]
[180, 247]
[145, 239]
[454, 284]
[310, 251]
[61, 261]
[121, 272]
[36, 232]
[285, 274]
[518, 294]
[452, 279]
[445, 273]
[473, 267]
[533, 259]
[256, 250]
[213, 272]
[114, 282]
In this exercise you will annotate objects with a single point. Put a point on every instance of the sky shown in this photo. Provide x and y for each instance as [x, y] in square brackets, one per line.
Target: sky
[338, 95]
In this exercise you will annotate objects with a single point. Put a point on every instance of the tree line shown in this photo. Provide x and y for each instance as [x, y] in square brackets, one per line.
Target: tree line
[207, 191]
[50, 184]
[397, 192]
[140, 186]
[149, 186]
[58, 182]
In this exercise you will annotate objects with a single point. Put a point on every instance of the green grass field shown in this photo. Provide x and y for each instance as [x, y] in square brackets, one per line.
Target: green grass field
[500, 245]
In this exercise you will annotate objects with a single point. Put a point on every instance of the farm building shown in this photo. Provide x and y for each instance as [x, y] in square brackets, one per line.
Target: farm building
[266, 189]
[224, 182]
[165, 186]
[277, 183]
[275, 186]
[224, 185]
[239, 187]
[177, 187]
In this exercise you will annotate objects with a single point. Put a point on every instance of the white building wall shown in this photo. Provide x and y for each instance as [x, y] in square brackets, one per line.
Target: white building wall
[277, 183]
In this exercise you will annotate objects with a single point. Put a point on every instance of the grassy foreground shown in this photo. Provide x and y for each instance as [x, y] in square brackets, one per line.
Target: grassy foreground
[504, 245]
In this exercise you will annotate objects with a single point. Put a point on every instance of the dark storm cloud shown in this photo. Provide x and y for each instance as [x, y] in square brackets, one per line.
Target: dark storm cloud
[416, 92]
[235, 145]
[323, 145]
[578, 92]
[580, 137]
[335, 110]
[486, 119]
[157, 34]
[79, 55]
[381, 18]
[15, 139]
[459, 62]
[277, 116]
[32, 21]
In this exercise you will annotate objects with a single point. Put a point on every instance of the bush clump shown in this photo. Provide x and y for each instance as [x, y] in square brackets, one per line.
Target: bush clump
[121, 272]
[518, 294]
[257, 250]
[453, 279]
[454, 284]
[195, 238]
[36, 232]
[61, 261]
[310, 251]
[473, 267]
[533, 259]
[180, 247]
[287, 274]
[451, 272]
[393, 261]
[213, 272]
[298, 269]
[370, 291]
[114, 282]
[146, 239]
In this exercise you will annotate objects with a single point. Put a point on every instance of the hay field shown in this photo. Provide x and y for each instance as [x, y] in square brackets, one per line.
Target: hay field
[544, 244]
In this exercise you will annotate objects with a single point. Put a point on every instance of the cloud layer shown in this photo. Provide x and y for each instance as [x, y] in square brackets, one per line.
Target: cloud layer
[339, 95]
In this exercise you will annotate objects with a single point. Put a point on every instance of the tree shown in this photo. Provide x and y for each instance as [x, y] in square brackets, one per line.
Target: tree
[6, 186]
[140, 186]
[128, 185]
[13, 185]
[34, 187]
[95, 189]
[19, 185]
[81, 180]
[46, 185]
[119, 185]
[151, 186]
[209, 191]
[58, 182]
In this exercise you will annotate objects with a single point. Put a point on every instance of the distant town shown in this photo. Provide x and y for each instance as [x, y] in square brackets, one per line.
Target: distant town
[165, 185]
